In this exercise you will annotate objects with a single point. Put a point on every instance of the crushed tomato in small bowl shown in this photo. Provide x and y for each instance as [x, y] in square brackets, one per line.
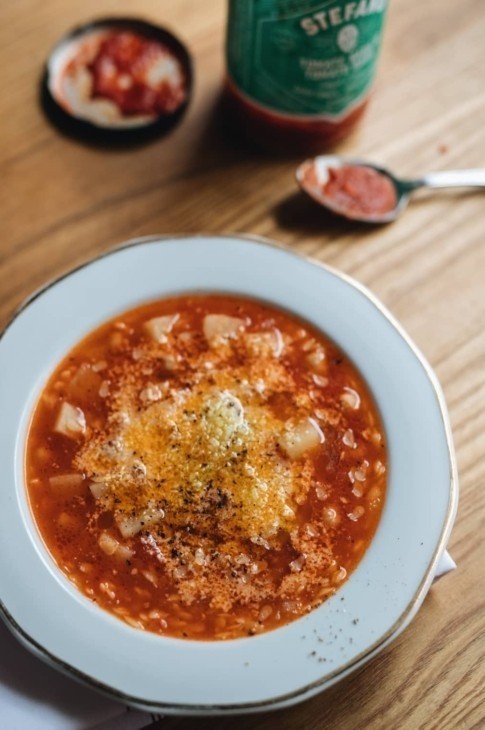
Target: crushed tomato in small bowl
[117, 80]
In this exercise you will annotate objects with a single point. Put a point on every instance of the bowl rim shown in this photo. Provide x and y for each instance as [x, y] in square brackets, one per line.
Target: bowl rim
[331, 677]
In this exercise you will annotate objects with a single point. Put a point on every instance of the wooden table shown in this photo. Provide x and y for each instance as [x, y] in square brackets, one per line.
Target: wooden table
[62, 202]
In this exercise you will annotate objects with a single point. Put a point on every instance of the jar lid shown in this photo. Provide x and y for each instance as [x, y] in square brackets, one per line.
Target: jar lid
[117, 81]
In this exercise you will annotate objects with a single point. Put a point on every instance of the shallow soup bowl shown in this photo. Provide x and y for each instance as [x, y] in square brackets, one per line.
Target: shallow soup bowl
[286, 665]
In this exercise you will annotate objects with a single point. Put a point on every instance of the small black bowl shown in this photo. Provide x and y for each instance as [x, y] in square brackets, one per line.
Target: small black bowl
[91, 132]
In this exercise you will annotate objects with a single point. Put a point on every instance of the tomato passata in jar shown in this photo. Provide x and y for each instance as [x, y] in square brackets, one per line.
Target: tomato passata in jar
[300, 71]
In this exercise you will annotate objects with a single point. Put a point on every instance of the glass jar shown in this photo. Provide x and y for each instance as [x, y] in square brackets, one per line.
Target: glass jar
[299, 72]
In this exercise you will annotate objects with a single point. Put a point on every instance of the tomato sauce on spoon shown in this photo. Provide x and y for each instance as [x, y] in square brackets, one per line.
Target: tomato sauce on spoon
[354, 189]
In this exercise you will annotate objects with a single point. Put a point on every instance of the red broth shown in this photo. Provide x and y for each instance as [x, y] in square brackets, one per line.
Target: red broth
[206, 467]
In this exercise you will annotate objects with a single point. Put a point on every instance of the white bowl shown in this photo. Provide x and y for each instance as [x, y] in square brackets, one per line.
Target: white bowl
[294, 662]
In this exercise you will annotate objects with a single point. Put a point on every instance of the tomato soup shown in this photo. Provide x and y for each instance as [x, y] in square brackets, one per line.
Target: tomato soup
[206, 467]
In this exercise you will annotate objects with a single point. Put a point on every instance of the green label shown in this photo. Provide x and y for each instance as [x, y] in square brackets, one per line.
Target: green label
[304, 57]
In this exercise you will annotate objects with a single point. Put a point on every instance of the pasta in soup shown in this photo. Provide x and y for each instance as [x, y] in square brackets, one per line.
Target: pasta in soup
[206, 467]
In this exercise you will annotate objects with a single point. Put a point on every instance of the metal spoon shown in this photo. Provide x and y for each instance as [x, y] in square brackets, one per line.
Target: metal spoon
[313, 174]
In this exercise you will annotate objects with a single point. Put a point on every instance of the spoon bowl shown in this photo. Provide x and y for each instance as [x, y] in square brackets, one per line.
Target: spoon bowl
[326, 179]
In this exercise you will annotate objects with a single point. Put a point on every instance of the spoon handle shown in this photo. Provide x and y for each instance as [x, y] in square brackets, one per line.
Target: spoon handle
[454, 179]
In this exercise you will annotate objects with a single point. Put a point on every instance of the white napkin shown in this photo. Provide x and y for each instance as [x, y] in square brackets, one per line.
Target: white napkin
[34, 696]
[445, 565]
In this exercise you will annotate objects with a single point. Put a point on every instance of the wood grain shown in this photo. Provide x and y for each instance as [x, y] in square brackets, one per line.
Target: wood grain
[61, 202]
